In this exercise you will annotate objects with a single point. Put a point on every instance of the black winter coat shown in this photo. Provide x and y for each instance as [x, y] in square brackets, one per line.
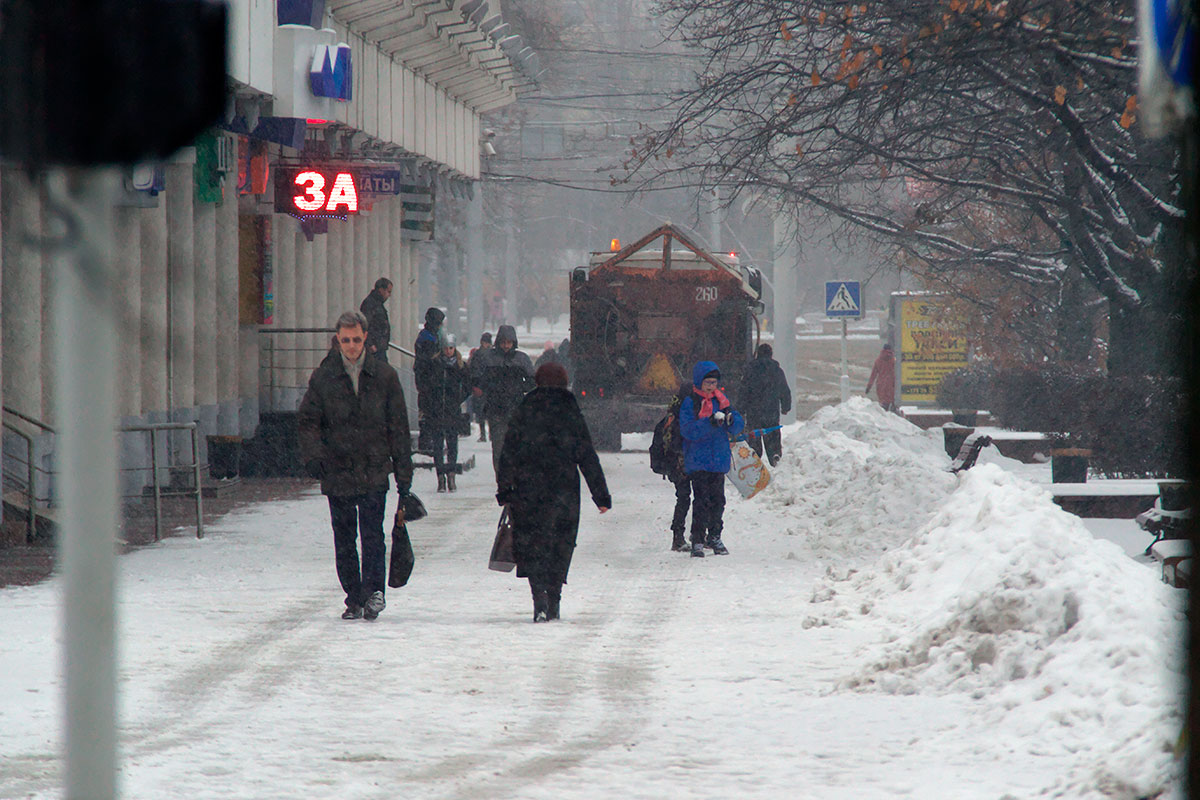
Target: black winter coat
[449, 384]
[359, 439]
[764, 393]
[504, 379]
[546, 447]
[379, 329]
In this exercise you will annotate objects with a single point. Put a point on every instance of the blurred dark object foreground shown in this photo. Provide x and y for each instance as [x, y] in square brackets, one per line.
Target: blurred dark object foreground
[91, 82]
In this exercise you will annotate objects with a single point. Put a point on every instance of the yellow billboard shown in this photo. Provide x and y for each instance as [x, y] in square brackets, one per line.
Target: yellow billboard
[932, 344]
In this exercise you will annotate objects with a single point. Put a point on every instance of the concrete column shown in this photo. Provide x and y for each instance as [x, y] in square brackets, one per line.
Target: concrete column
[305, 318]
[127, 270]
[21, 310]
[362, 254]
[784, 308]
[474, 266]
[346, 273]
[283, 237]
[181, 286]
[154, 310]
[228, 349]
[51, 228]
[335, 300]
[204, 337]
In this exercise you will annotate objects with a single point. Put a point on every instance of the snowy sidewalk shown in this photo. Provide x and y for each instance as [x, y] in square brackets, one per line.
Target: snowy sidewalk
[881, 629]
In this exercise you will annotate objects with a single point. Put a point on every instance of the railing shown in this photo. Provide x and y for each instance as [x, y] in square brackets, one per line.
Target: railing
[30, 489]
[286, 366]
[154, 430]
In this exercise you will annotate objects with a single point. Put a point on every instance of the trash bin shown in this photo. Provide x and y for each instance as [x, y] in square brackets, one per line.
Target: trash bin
[954, 435]
[224, 456]
[1069, 465]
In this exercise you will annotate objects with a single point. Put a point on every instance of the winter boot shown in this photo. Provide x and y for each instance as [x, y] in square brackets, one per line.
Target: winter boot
[718, 547]
[375, 603]
[441, 481]
[553, 598]
[678, 543]
[450, 487]
[541, 602]
[697, 549]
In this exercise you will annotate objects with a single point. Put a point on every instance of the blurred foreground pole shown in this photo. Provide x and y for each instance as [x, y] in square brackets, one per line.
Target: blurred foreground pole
[787, 263]
[85, 342]
[845, 382]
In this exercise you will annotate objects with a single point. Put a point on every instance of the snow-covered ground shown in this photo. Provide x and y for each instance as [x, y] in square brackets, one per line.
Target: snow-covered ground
[882, 629]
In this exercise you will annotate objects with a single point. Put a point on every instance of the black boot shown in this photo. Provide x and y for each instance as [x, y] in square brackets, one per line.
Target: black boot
[678, 543]
[441, 482]
[553, 599]
[541, 601]
[450, 487]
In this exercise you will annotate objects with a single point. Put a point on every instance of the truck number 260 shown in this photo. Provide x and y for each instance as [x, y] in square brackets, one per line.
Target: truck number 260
[706, 294]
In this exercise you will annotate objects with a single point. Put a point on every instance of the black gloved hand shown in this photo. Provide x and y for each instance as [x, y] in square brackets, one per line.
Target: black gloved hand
[505, 496]
[315, 469]
[718, 418]
[403, 487]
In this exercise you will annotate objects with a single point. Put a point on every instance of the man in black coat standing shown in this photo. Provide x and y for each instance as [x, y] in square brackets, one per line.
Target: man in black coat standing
[546, 446]
[764, 396]
[353, 427]
[379, 329]
[505, 374]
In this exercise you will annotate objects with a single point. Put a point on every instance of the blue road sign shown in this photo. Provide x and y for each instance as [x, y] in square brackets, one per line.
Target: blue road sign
[843, 299]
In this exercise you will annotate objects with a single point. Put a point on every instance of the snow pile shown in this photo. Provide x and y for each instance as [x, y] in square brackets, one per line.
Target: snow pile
[855, 481]
[1007, 597]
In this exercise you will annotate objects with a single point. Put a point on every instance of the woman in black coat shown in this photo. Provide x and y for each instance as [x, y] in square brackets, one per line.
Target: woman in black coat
[545, 448]
[448, 384]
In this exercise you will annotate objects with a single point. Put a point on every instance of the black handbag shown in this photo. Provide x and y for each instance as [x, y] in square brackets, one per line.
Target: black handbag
[502, 558]
[413, 509]
[401, 566]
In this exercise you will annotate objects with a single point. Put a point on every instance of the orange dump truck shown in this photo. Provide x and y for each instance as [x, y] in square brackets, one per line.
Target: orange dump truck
[643, 315]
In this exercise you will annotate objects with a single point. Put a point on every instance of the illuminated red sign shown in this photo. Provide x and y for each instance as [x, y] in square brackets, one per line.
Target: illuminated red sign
[316, 191]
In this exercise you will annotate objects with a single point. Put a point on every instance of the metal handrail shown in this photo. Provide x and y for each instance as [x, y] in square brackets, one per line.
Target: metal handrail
[31, 468]
[29, 419]
[153, 430]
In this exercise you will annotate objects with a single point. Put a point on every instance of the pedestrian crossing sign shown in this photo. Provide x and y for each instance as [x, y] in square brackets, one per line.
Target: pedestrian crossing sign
[843, 299]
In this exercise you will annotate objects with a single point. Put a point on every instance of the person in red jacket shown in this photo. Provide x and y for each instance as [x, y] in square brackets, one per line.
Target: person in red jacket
[883, 378]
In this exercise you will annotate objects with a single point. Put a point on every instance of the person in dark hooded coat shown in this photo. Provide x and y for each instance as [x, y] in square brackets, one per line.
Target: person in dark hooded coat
[505, 374]
[764, 396]
[426, 349]
[545, 448]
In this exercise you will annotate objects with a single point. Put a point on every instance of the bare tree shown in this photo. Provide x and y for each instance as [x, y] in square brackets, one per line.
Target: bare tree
[975, 135]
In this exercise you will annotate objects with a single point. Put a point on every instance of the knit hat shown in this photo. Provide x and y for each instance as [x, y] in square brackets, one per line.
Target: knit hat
[551, 375]
[446, 339]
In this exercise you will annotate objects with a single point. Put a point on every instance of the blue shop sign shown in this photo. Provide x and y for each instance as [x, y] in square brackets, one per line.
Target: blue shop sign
[332, 73]
[379, 182]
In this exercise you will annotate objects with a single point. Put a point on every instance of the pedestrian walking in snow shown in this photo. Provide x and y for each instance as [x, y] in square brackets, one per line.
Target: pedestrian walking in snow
[475, 401]
[763, 398]
[672, 454]
[549, 356]
[449, 386]
[353, 431]
[708, 423]
[883, 378]
[546, 446]
[426, 349]
[505, 374]
[379, 328]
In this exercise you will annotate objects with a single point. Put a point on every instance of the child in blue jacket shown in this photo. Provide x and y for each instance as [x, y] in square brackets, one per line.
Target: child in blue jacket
[708, 422]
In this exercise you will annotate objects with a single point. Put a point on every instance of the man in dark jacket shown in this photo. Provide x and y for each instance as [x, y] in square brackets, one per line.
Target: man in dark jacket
[764, 396]
[474, 402]
[545, 448]
[353, 428]
[379, 329]
[426, 349]
[505, 374]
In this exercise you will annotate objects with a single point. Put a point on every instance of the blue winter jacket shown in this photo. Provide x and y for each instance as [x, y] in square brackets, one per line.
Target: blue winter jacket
[705, 445]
